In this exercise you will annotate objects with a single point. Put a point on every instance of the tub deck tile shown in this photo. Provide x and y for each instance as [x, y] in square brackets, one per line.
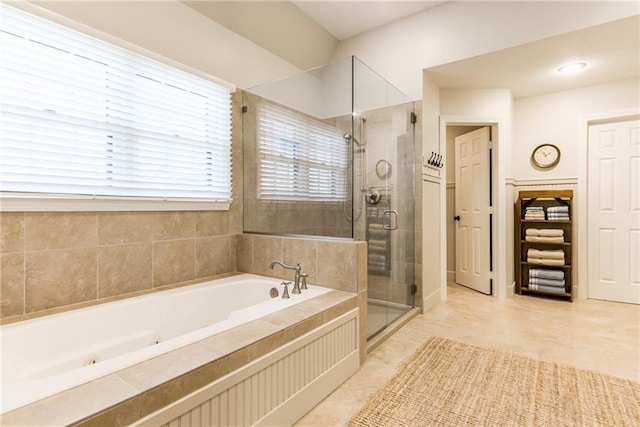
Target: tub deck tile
[327, 300]
[241, 336]
[165, 367]
[75, 404]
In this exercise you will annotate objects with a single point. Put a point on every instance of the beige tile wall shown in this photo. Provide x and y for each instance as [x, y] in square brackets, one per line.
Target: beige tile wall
[335, 264]
[52, 260]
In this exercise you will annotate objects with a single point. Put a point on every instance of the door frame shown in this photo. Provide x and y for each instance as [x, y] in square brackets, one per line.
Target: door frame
[582, 214]
[498, 236]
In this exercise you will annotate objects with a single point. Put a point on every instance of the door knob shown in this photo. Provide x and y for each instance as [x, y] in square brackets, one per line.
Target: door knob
[456, 218]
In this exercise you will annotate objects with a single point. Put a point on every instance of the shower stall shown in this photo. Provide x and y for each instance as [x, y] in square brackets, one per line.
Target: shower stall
[331, 152]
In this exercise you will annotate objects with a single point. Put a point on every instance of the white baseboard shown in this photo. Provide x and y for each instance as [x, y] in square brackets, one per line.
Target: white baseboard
[451, 276]
[431, 300]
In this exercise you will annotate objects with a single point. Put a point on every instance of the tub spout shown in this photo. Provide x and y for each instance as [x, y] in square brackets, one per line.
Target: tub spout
[296, 276]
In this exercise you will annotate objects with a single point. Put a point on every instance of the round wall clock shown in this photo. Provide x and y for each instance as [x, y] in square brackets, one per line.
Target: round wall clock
[545, 156]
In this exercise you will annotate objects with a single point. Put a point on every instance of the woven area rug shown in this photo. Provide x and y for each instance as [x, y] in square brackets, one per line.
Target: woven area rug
[448, 383]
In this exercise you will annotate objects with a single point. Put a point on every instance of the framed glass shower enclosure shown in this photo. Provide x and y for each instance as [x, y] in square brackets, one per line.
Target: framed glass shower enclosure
[331, 152]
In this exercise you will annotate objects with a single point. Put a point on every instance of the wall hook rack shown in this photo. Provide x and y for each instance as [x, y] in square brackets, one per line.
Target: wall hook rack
[435, 161]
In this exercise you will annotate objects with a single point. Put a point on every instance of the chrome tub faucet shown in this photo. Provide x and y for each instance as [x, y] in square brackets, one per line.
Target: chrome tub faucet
[296, 276]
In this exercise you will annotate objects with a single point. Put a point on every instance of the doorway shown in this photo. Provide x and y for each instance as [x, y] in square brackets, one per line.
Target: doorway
[469, 200]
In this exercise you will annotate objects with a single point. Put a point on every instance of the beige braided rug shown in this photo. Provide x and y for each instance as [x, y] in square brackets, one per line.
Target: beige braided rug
[448, 383]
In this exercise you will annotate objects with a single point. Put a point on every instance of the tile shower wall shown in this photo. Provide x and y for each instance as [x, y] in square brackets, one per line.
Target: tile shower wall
[297, 217]
[59, 260]
[335, 264]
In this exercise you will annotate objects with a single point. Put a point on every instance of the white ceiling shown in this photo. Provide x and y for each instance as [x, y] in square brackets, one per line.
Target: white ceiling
[347, 18]
[611, 51]
[306, 33]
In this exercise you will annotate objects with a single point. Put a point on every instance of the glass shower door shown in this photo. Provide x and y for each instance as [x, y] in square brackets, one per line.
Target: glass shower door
[384, 191]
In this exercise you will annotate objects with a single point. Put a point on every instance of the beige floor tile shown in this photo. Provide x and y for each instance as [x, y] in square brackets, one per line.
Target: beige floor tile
[596, 335]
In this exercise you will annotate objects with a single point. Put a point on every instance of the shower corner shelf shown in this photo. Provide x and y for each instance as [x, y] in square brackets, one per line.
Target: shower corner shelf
[522, 267]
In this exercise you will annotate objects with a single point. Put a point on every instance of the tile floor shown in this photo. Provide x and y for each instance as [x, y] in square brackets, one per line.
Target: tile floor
[596, 335]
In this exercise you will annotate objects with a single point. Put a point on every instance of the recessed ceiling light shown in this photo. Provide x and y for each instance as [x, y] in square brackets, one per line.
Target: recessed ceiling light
[572, 67]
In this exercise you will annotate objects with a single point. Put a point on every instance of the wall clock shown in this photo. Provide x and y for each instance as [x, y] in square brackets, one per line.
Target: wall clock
[545, 156]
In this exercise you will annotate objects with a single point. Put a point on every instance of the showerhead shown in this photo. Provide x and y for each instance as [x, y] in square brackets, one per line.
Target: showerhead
[348, 137]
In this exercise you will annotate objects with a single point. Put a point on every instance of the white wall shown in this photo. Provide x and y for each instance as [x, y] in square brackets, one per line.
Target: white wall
[558, 118]
[453, 31]
[433, 254]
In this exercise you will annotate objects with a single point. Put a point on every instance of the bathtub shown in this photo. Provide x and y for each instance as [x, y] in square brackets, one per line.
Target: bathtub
[44, 356]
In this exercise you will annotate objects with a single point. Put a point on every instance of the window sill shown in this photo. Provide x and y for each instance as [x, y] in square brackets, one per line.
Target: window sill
[43, 203]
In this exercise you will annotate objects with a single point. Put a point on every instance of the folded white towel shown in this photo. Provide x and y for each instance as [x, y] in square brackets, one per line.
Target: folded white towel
[545, 273]
[534, 208]
[548, 254]
[545, 232]
[546, 282]
[542, 288]
[558, 209]
[560, 216]
[545, 261]
[544, 239]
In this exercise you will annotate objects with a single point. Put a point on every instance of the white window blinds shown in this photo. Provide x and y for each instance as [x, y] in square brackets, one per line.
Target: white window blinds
[83, 117]
[299, 158]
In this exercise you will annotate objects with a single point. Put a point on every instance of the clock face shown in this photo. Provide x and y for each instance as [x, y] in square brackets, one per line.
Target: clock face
[545, 156]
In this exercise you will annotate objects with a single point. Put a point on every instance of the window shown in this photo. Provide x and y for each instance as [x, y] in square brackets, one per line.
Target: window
[299, 158]
[86, 118]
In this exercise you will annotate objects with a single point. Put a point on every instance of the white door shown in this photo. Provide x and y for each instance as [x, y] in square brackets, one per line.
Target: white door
[472, 209]
[614, 211]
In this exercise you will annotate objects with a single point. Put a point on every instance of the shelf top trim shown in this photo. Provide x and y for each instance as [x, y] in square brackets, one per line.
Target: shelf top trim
[551, 194]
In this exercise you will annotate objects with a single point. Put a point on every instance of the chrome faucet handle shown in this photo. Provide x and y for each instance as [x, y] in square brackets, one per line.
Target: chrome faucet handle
[303, 283]
[285, 293]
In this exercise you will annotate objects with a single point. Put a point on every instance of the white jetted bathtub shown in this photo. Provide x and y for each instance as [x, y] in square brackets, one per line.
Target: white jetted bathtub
[44, 356]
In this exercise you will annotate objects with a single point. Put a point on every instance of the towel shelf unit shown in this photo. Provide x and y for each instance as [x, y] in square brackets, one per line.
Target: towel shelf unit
[537, 203]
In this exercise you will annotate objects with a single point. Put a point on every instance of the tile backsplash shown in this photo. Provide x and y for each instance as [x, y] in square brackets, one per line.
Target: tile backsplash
[52, 260]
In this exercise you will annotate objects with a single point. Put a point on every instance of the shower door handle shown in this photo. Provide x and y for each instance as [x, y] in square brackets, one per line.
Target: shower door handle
[387, 222]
